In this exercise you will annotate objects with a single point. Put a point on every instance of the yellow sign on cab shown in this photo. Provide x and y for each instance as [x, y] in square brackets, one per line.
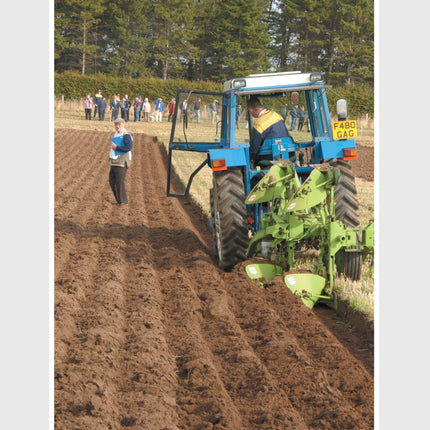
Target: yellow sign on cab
[344, 129]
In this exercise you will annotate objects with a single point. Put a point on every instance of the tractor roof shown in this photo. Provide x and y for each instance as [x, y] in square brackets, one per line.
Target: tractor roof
[266, 82]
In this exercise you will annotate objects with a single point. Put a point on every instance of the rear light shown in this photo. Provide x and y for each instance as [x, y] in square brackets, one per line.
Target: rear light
[218, 165]
[350, 154]
[250, 220]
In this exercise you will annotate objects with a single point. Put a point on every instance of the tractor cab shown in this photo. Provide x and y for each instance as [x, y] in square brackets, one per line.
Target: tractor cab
[222, 127]
[217, 126]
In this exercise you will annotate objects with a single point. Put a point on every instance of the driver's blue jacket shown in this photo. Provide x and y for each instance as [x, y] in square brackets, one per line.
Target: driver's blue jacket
[268, 124]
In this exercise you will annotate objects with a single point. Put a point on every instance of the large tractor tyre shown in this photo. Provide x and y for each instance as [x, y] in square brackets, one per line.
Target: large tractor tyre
[346, 210]
[229, 218]
[212, 219]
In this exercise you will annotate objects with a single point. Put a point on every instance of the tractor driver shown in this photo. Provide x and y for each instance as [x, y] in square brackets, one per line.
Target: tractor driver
[267, 124]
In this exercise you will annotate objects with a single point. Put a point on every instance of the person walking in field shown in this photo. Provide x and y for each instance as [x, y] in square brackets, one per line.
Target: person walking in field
[88, 105]
[301, 116]
[120, 161]
[197, 110]
[159, 110]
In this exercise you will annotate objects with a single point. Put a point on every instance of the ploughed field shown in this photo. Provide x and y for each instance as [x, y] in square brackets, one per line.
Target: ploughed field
[150, 334]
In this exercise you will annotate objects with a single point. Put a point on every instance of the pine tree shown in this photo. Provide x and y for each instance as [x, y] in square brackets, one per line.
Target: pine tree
[74, 36]
[126, 41]
[215, 39]
[171, 35]
[351, 48]
[282, 24]
[310, 30]
[238, 39]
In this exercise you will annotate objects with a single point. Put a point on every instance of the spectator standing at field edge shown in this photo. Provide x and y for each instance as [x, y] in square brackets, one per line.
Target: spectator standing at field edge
[88, 105]
[184, 111]
[214, 111]
[137, 105]
[238, 114]
[120, 161]
[171, 108]
[146, 109]
[125, 108]
[294, 112]
[114, 106]
[284, 112]
[159, 109]
[97, 100]
[102, 109]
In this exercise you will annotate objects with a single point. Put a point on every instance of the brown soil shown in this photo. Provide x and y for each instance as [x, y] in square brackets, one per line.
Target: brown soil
[364, 167]
[151, 335]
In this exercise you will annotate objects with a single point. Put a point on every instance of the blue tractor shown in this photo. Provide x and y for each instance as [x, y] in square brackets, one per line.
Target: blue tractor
[221, 131]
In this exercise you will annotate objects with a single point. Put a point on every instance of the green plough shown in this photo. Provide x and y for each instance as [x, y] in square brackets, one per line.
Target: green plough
[300, 214]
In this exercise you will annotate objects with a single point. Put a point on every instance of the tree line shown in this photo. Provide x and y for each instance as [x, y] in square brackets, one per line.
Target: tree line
[215, 40]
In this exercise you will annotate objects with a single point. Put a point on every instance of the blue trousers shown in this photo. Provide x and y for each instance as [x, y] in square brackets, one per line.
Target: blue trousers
[196, 115]
[293, 122]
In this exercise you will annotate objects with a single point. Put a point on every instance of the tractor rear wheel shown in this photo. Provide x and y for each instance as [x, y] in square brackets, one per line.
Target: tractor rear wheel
[229, 218]
[346, 210]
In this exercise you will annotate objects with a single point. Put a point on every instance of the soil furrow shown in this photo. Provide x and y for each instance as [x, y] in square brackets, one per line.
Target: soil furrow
[81, 162]
[261, 405]
[295, 347]
[85, 390]
[150, 334]
[201, 396]
[198, 403]
[342, 370]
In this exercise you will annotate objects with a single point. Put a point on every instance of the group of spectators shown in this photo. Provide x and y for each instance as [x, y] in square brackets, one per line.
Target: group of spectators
[142, 110]
[121, 107]
[214, 108]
